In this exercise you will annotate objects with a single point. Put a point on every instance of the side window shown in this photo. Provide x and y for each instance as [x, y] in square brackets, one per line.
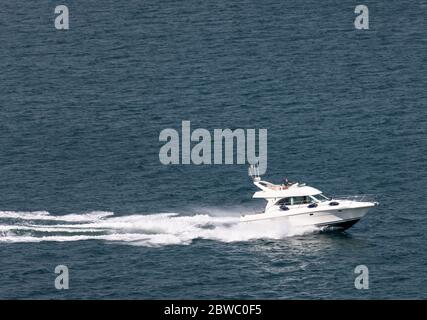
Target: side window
[294, 201]
[308, 199]
[298, 200]
[302, 200]
[285, 201]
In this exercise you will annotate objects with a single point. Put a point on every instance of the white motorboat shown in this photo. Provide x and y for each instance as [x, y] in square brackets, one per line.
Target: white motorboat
[302, 205]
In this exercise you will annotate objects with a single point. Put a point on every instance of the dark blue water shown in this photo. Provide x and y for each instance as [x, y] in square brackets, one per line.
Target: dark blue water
[80, 117]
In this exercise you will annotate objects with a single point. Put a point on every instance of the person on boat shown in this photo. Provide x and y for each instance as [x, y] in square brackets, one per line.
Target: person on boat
[285, 183]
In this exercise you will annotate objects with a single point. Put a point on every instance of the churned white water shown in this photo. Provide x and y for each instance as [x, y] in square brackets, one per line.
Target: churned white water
[145, 230]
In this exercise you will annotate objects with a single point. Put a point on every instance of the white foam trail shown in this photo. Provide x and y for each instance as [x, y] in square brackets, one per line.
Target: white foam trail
[44, 215]
[45, 229]
[146, 230]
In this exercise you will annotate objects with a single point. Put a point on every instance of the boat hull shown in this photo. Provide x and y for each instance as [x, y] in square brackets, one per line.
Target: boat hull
[339, 219]
[344, 218]
[343, 225]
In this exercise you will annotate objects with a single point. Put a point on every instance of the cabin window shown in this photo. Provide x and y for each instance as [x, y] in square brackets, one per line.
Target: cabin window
[285, 201]
[301, 200]
[294, 201]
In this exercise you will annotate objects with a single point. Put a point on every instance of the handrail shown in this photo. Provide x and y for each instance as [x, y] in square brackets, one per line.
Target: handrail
[358, 198]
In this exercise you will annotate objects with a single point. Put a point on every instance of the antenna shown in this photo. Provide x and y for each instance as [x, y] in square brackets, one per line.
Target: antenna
[253, 171]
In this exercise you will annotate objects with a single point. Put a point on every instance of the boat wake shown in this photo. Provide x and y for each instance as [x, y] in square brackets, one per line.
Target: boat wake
[143, 230]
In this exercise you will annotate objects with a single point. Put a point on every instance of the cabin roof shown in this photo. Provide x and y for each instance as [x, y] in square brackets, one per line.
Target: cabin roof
[293, 191]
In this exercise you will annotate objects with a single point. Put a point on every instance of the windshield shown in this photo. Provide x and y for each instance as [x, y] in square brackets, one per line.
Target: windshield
[320, 197]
